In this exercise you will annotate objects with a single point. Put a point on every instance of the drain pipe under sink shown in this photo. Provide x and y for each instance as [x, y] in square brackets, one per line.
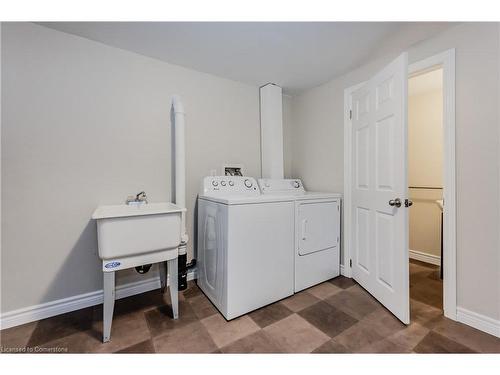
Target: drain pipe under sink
[177, 118]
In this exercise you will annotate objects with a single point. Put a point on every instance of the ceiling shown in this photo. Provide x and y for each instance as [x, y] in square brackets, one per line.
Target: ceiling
[427, 82]
[294, 55]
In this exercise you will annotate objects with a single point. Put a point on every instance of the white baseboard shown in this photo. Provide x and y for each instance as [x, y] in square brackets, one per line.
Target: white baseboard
[424, 257]
[81, 301]
[478, 321]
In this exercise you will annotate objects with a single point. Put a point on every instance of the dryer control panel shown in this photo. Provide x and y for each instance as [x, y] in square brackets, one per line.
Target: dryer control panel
[230, 185]
[278, 186]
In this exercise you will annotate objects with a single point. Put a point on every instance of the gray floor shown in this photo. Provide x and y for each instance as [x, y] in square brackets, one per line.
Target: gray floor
[337, 316]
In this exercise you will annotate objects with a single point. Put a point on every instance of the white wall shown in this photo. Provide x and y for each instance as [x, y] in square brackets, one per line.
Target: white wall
[318, 151]
[317, 138]
[425, 167]
[425, 139]
[85, 124]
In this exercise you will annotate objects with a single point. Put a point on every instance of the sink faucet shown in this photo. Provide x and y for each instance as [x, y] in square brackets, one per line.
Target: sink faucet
[138, 199]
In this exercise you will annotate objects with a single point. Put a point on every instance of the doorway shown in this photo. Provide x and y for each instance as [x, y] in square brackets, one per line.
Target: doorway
[446, 62]
[425, 180]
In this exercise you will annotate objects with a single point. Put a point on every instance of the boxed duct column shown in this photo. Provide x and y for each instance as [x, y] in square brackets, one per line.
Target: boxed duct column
[271, 131]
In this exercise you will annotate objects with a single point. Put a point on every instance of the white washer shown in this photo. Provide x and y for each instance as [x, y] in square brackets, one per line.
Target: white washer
[317, 230]
[245, 243]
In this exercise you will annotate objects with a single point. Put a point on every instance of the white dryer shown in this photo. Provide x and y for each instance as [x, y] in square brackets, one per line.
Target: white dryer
[245, 242]
[317, 230]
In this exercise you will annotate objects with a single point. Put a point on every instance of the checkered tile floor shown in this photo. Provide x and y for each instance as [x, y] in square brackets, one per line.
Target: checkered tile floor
[337, 316]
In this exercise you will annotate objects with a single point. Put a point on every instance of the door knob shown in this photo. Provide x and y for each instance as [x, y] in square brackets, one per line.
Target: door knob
[408, 202]
[395, 202]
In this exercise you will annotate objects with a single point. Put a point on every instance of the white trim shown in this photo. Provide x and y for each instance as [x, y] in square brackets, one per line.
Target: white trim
[81, 301]
[425, 257]
[478, 321]
[498, 265]
[446, 60]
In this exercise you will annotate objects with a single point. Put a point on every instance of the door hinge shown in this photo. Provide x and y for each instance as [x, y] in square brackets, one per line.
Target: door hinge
[350, 114]
[350, 263]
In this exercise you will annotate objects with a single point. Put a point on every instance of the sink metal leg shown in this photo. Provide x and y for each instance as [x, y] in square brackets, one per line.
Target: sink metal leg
[162, 268]
[173, 281]
[109, 304]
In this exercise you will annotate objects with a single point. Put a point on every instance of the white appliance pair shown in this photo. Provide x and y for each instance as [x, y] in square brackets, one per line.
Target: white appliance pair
[256, 248]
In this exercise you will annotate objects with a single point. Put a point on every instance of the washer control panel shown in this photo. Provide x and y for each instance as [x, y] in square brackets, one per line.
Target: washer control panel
[278, 186]
[230, 185]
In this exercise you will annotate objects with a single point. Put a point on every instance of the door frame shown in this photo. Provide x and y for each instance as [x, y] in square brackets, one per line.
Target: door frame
[445, 60]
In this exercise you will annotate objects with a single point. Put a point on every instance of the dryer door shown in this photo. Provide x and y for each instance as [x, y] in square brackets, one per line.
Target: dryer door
[318, 226]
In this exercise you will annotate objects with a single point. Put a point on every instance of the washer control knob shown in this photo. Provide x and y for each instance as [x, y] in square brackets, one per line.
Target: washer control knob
[223, 183]
[231, 183]
[248, 183]
[296, 184]
[215, 183]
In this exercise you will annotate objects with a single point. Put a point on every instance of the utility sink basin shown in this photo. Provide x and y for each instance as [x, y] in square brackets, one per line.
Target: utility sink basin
[126, 232]
[133, 235]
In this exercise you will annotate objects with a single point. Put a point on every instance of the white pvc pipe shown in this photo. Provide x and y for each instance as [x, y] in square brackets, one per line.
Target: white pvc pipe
[271, 131]
[179, 172]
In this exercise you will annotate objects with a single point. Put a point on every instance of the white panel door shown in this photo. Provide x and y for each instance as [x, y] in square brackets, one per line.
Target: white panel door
[379, 181]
